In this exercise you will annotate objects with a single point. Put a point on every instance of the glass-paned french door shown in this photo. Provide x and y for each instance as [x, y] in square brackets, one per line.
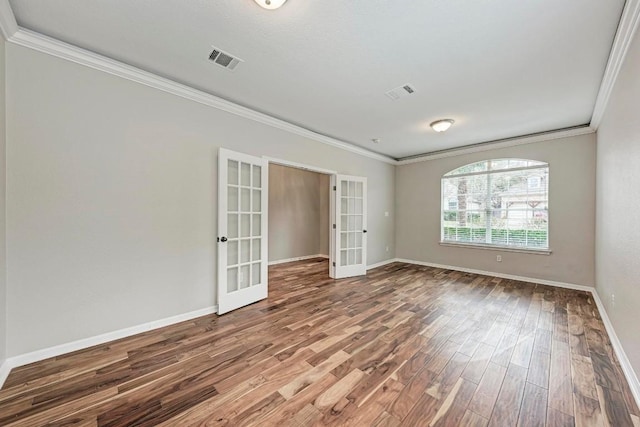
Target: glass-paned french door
[350, 233]
[242, 229]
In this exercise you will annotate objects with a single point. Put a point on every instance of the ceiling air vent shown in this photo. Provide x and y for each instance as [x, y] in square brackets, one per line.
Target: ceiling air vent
[224, 59]
[401, 92]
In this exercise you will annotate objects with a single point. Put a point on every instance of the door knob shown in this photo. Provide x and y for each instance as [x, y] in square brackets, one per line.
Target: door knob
[223, 239]
[364, 231]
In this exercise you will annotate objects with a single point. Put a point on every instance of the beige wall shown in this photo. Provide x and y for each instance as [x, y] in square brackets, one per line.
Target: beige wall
[3, 255]
[571, 209]
[111, 199]
[298, 212]
[618, 206]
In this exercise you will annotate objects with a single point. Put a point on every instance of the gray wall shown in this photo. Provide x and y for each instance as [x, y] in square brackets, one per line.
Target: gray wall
[3, 241]
[571, 210]
[618, 206]
[298, 212]
[111, 199]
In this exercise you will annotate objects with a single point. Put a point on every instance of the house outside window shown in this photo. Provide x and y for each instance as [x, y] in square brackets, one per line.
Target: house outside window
[500, 203]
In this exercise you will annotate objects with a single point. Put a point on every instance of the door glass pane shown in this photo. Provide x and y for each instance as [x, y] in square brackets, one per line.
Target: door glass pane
[245, 225]
[352, 240]
[352, 207]
[344, 219]
[344, 240]
[352, 223]
[344, 205]
[352, 256]
[245, 202]
[232, 225]
[257, 200]
[255, 274]
[257, 176]
[232, 279]
[257, 224]
[357, 223]
[358, 206]
[358, 240]
[232, 172]
[344, 187]
[343, 257]
[232, 252]
[358, 189]
[244, 276]
[232, 199]
[245, 250]
[358, 256]
[352, 188]
[245, 174]
[255, 250]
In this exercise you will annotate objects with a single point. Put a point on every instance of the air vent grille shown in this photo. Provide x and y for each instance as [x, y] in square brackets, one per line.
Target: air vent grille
[401, 92]
[224, 59]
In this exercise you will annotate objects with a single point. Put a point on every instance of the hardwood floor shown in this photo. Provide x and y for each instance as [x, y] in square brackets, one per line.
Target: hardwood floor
[405, 346]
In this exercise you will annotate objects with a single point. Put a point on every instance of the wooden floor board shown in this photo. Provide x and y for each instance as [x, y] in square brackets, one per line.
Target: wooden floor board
[405, 345]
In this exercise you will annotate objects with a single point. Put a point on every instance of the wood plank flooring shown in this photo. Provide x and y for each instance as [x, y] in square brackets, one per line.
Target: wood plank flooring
[404, 346]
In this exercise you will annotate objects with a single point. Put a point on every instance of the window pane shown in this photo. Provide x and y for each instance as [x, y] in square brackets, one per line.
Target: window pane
[504, 208]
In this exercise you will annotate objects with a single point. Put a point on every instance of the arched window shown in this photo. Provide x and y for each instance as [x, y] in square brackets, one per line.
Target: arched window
[499, 202]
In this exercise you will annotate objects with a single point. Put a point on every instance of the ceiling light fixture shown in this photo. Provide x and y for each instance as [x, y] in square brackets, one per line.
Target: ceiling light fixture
[376, 140]
[270, 4]
[442, 125]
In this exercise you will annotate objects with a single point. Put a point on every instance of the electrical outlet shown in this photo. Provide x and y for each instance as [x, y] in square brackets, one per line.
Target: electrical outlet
[499, 258]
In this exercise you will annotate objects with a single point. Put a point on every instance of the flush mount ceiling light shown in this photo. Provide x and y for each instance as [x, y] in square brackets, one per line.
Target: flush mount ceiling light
[376, 140]
[442, 125]
[270, 4]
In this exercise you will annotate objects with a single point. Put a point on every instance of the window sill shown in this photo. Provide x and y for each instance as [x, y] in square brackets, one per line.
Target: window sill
[497, 248]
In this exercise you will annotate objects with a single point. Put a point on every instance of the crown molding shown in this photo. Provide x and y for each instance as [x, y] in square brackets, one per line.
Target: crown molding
[57, 48]
[8, 24]
[503, 143]
[624, 36]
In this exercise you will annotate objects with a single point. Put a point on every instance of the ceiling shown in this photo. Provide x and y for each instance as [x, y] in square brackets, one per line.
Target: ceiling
[499, 68]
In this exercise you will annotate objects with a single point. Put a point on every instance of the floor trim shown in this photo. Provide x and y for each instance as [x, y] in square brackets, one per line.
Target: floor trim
[5, 369]
[45, 353]
[501, 275]
[627, 369]
[381, 263]
[299, 258]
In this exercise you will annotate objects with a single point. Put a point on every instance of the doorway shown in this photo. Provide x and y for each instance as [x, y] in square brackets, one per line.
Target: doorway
[299, 213]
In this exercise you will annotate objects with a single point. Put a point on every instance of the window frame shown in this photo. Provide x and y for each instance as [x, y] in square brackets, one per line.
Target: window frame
[539, 165]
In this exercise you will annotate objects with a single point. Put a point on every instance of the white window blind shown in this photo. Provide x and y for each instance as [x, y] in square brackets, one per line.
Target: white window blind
[499, 202]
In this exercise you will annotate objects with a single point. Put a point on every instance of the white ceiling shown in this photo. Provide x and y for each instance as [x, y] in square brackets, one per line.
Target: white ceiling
[500, 68]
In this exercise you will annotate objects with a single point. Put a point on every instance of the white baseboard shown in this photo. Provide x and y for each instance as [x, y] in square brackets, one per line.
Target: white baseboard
[381, 263]
[501, 275]
[45, 353]
[5, 369]
[627, 369]
[300, 258]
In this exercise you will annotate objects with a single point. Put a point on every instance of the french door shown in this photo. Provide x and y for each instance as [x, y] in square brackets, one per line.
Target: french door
[242, 229]
[349, 237]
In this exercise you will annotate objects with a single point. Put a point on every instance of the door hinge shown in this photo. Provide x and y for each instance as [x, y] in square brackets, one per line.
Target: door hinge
[334, 226]
[334, 264]
[334, 188]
